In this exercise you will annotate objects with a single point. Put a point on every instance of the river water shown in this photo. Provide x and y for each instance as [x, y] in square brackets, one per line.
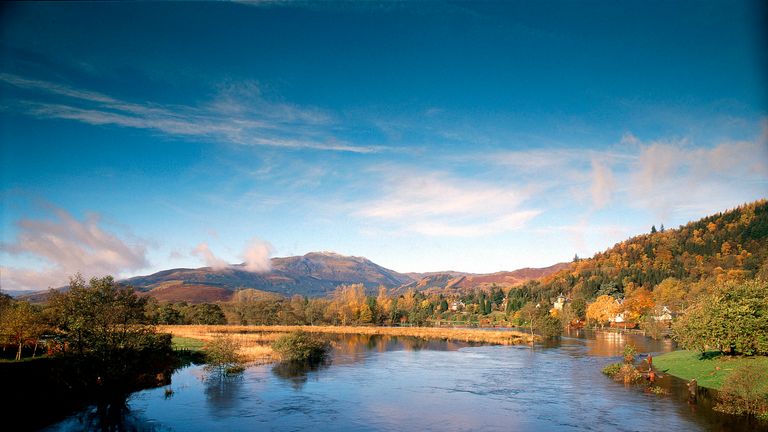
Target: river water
[385, 383]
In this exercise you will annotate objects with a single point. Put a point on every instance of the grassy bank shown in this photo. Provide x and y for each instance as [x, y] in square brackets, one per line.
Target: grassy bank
[710, 370]
[255, 341]
[187, 343]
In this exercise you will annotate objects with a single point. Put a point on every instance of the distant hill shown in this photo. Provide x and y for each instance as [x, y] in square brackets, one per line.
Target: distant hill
[725, 246]
[314, 274]
[457, 282]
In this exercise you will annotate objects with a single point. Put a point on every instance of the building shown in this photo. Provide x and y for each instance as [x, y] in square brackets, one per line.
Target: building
[664, 315]
[560, 302]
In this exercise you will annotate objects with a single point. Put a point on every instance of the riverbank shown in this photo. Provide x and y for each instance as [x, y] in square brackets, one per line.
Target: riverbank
[710, 371]
[255, 341]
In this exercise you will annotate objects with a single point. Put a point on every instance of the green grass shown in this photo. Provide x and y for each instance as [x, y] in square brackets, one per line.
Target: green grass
[187, 343]
[690, 364]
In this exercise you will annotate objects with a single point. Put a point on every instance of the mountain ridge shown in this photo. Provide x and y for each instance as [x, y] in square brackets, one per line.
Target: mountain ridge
[314, 274]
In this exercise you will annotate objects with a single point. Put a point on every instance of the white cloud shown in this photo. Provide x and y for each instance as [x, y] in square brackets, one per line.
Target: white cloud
[68, 246]
[256, 256]
[676, 177]
[203, 252]
[436, 204]
[238, 115]
[603, 184]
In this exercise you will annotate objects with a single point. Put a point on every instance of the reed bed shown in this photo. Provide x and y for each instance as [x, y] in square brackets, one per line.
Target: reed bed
[255, 341]
[254, 347]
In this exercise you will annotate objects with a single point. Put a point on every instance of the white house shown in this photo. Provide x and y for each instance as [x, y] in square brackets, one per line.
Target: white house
[560, 302]
[619, 317]
[663, 315]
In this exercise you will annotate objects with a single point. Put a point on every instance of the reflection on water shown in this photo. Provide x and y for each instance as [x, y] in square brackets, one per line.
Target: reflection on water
[222, 394]
[392, 383]
[297, 373]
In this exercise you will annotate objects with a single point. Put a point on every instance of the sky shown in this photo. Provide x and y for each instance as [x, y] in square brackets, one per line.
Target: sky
[424, 136]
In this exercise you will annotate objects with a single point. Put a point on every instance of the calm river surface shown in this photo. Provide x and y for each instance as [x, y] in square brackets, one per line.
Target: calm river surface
[389, 384]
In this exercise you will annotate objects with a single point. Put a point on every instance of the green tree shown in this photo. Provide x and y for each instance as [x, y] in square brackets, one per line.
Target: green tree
[538, 320]
[209, 314]
[733, 319]
[443, 305]
[100, 317]
[579, 308]
[497, 295]
[103, 326]
[481, 304]
[20, 324]
[168, 314]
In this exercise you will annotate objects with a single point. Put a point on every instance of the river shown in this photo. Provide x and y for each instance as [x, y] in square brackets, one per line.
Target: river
[382, 383]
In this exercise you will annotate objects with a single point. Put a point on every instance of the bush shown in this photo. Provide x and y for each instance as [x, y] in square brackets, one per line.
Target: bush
[623, 372]
[629, 353]
[628, 374]
[222, 357]
[745, 391]
[301, 346]
[612, 369]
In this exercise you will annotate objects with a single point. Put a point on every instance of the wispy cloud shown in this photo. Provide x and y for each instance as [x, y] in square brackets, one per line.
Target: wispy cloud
[203, 251]
[438, 204]
[67, 246]
[238, 115]
[603, 183]
[674, 176]
[664, 176]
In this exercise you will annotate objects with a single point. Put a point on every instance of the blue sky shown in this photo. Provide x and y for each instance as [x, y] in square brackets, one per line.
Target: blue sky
[424, 136]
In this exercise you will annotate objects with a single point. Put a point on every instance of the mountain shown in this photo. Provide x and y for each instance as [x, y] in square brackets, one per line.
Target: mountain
[314, 274]
[732, 245]
[457, 282]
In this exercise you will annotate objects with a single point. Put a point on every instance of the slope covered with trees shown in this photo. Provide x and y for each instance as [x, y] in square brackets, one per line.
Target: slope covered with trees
[728, 246]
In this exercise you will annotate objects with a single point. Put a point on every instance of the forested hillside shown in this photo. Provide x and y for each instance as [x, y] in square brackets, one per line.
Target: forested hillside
[727, 246]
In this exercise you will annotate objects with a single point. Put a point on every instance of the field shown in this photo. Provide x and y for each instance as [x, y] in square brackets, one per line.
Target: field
[255, 341]
[709, 372]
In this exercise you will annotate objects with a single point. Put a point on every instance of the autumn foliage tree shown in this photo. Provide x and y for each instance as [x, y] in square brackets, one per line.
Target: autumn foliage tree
[347, 303]
[602, 310]
[638, 302]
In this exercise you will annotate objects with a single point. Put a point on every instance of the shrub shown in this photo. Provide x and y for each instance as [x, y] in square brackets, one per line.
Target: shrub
[222, 357]
[301, 346]
[612, 369]
[629, 353]
[745, 391]
[628, 374]
[623, 372]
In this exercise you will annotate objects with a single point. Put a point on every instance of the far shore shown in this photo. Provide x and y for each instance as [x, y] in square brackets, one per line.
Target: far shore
[255, 341]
